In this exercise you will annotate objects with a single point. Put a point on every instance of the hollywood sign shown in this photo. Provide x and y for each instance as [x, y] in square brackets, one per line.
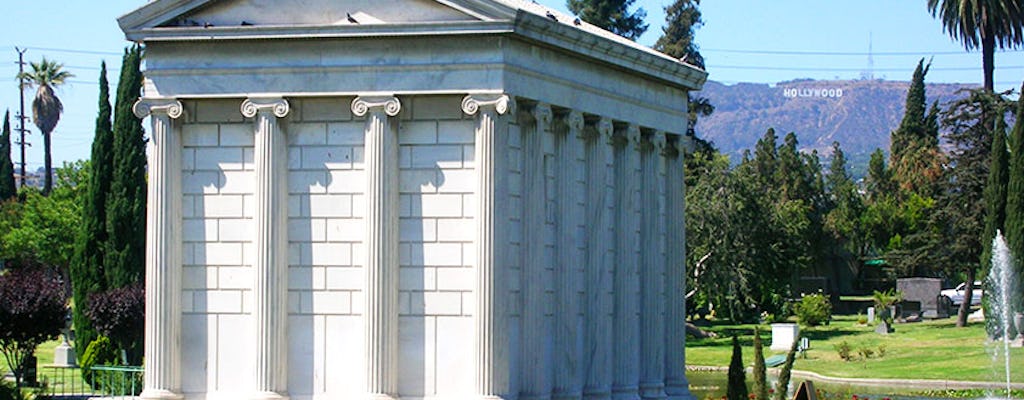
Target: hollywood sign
[812, 92]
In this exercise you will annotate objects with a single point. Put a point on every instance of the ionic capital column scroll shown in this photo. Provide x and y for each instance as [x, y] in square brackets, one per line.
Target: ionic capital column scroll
[381, 242]
[270, 262]
[163, 251]
[490, 331]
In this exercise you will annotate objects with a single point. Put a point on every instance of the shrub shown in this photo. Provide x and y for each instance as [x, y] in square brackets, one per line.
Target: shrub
[813, 310]
[866, 353]
[100, 352]
[737, 387]
[760, 379]
[843, 348]
[881, 350]
[119, 314]
[782, 386]
[32, 311]
[862, 319]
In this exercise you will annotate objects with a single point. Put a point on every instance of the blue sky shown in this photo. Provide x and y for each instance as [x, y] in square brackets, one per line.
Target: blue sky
[742, 41]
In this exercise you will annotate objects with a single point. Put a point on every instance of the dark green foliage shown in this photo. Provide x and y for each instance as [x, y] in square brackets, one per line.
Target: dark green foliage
[760, 377]
[814, 310]
[995, 193]
[782, 386]
[737, 387]
[7, 188]
[611, 15]
[914, 144]
[99, 352]
[878, 183]
[124, 258]
[1015, 192]
[682, 19]
[32, 311]
[119, 314]
[87, 276]
[957, 227]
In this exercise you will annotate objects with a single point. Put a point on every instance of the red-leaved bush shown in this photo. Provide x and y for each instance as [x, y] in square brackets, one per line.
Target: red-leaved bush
[32, 311]
[119, 314]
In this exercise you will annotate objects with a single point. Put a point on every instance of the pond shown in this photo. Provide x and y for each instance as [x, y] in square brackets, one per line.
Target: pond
[712, 385]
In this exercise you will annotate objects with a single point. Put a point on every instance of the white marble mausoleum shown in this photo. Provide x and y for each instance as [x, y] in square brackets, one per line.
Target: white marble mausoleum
[415, 199]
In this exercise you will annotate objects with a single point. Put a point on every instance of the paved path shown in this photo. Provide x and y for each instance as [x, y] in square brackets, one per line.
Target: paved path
[926, 384]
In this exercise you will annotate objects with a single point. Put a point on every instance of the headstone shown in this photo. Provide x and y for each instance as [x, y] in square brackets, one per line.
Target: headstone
[783, 336]
[871, 315]
[925, 291]
[883, 328]
[64, 355]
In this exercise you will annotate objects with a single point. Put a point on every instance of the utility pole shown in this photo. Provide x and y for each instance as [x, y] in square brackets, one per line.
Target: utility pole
[21, 115]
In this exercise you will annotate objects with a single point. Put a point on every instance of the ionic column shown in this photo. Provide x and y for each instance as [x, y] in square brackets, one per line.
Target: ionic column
[490, 331]
[627, 241]
[676, 385]
[270, 263]
[600, 262]
[163, 251]
[380, 153]
[652, 272]
[536, 384]
[569, 262]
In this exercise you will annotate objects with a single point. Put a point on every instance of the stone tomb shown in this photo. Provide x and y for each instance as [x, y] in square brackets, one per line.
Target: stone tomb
[409, 199]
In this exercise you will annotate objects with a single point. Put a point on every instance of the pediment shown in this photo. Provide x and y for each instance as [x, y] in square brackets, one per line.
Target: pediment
[297, 13]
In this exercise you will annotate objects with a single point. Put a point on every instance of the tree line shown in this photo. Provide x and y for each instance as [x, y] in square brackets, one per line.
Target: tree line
[82, 234]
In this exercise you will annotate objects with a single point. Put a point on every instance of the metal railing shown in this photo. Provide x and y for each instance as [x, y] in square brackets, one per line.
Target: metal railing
[110, 381]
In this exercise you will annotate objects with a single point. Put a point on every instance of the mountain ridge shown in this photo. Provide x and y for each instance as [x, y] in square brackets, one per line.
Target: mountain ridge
[859, 114]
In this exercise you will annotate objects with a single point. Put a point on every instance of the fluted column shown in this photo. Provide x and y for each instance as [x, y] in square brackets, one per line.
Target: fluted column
[600, 262]
[569, 261]
[652, 272]
[627, 328]
[270, 263]
[490, 331]
[163, 251]
[676, 385]
[536, 383]
[380, 153]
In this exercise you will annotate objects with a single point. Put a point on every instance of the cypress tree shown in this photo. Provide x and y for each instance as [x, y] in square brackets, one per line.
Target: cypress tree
[1015, 192]
[995, 191]
[87, 275]
[7, 188]
[126, 204]
[737, 387]
[782, 386]
[760, 377]
[914, 144]
[611, 15]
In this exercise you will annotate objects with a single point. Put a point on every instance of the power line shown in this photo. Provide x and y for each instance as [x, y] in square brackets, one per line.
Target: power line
[842, 53]
[839, 69]
[77, 51]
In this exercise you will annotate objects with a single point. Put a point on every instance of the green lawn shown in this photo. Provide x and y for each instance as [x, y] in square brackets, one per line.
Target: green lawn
[923, 350]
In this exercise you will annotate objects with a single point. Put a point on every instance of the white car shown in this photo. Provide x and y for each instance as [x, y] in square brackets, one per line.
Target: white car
[956, 296]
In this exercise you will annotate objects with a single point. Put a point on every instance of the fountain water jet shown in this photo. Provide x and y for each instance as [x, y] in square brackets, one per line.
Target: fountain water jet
[1001, 289]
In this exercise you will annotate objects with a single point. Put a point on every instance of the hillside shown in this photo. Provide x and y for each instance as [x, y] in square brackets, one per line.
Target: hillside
[859, 114]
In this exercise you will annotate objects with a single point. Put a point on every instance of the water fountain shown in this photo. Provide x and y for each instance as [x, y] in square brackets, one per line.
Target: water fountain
[1001, 289]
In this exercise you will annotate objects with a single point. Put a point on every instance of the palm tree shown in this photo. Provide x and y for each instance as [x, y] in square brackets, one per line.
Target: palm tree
[982, 23]
[46, 107]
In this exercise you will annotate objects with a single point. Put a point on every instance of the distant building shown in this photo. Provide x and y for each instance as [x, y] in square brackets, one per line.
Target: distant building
[410, 199]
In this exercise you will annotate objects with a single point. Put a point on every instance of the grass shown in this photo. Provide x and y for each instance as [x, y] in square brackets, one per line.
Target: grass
[57, 380]
[924, 350]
